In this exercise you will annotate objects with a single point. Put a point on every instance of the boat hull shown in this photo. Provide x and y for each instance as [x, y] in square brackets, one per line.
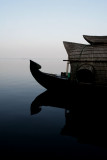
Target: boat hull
[54, 82]
[50, 81]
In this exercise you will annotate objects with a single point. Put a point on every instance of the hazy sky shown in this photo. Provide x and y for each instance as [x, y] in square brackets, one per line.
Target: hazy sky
[37, 28]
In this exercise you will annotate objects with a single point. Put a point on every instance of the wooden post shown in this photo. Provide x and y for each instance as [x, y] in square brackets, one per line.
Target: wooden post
[67, 68]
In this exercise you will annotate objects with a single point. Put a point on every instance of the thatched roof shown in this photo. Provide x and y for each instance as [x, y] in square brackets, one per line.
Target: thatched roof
[96, 39]
[83, 52]
[84, 56]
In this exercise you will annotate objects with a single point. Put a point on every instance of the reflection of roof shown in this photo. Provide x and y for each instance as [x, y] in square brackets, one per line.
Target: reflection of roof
[96, 39]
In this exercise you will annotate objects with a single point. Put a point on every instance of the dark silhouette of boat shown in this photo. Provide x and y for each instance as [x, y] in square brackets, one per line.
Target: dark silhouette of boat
[49, 81]
[85, 116]
[59, 83]
[88, 66]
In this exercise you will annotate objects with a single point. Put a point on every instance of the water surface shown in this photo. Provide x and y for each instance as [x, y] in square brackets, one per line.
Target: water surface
[51, 131]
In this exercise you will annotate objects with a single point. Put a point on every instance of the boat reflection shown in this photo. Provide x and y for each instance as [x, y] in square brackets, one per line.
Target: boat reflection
[85, 114]
[48, 98]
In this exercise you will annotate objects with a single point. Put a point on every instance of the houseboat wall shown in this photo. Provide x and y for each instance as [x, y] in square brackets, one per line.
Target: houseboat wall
[83, 55]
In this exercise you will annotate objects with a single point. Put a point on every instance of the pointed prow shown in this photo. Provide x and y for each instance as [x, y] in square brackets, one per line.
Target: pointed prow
[34, 65]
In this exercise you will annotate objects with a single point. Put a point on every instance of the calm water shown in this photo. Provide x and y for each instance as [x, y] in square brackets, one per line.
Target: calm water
[47, 131]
